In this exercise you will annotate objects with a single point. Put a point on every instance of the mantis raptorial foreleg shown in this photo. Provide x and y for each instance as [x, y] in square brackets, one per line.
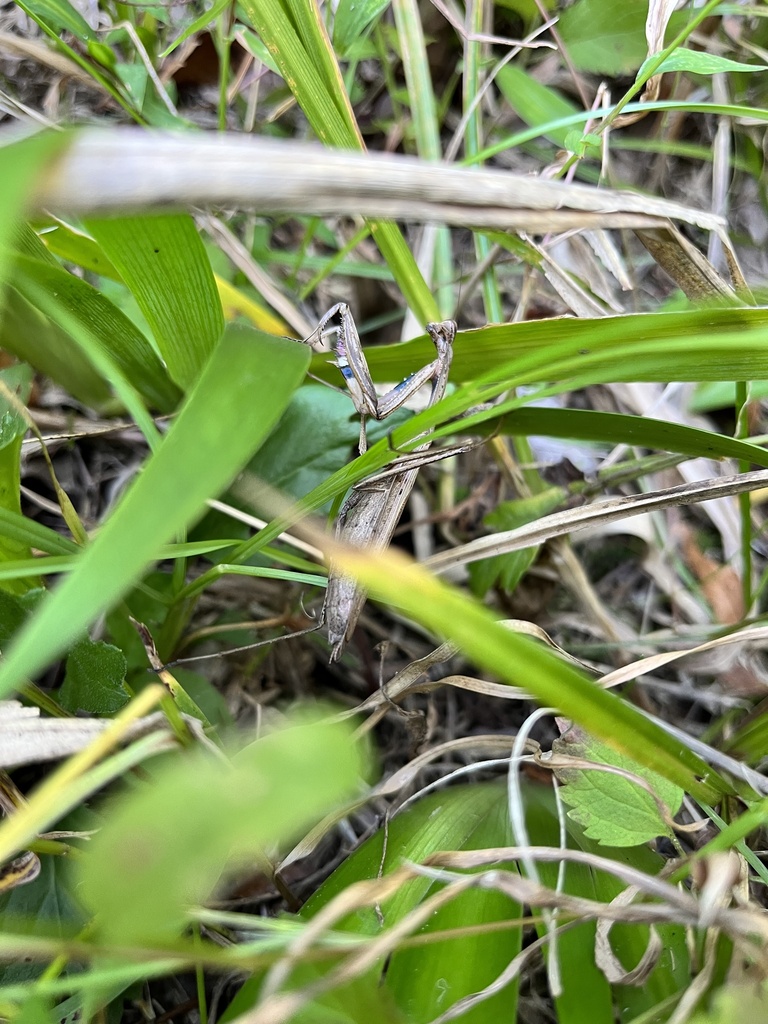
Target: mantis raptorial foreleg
[371, 512]
[350, 359]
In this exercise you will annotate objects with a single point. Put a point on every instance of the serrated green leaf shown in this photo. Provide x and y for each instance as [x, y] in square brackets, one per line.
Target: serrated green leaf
[94, 680]
[235, 404]
[169, 843]
[163, 261]
[613, 810]
[699, 63]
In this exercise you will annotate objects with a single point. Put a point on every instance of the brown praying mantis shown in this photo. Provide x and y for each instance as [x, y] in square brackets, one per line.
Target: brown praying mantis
[372, 510]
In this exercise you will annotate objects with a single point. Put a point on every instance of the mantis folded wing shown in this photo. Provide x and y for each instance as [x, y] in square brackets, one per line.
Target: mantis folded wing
[371, 512]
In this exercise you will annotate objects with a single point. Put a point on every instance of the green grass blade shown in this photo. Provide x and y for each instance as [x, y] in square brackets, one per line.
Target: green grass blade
[426, 125]
[297, 41]
[730, 345]
[13, 426]
[164, 263]
[20, 164]
[236, 402]
[520, 662]
[27, 531]
[613, 428]
[535, 103]
[472, 83]
[115, 333]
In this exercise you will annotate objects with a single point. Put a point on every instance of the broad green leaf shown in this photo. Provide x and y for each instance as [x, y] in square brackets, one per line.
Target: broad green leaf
[13, 615]
[72, 245]
[586, 991]
[613, 810]
[533, 102]
[170, 841]
[426, 980]
[113, 331]
[607, 37]
[586, 996]
[94, 679]
[42, 907]
[232, 408]
[429, 979]
[135, 82]
[699, 63]
[163, 261]
[314, 438]
[13, 427]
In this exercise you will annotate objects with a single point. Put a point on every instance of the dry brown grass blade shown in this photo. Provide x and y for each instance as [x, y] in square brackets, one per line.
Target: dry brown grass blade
[689, 269]
[644, 666]
[128, 169]
[34, 49]
[410, 679]
[659, 13]
[26, 738]
[609, 511]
